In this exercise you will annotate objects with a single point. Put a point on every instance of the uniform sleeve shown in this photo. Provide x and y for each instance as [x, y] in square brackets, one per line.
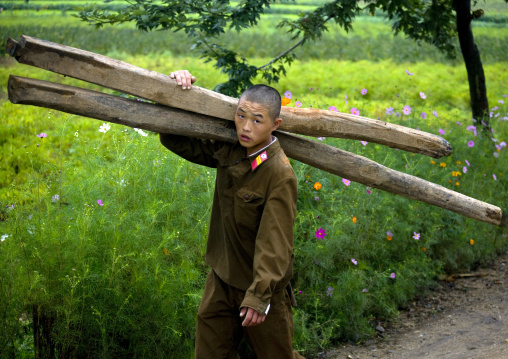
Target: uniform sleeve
[192, 149]
[274, 244]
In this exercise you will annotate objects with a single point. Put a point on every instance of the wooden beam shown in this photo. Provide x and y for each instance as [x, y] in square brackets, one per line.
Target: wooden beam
[150, 85]
[162, 119]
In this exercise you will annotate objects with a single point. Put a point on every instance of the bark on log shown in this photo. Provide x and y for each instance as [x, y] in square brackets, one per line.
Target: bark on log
[150, 85]
[167, 120]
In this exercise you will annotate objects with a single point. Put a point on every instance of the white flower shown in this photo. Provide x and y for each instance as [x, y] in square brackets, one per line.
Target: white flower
[4, 237]
[104, 127]
[141, 132]
[76, 133]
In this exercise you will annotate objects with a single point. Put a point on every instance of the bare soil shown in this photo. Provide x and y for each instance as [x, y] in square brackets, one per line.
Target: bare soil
[466, 316]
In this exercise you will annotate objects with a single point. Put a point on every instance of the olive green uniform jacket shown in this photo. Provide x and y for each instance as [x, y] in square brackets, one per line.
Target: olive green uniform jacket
[250, 240]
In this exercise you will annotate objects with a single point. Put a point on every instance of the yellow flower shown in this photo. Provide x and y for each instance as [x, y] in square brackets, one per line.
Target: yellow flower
[317, 186]
[454, 173]
[458, 162]
[442, 164]
[389, 237]
[165, 251]
[354, 219]
[457, 184]
[471, 241]
[432, 162]
[450, 181]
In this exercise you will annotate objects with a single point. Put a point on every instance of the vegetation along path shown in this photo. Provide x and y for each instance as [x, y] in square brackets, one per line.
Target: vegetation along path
[464, 317]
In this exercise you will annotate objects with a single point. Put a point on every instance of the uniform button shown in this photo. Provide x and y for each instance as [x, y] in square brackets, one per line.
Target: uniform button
[246, 196]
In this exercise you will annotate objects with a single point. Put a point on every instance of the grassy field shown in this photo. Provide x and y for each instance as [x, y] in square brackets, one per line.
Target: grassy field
[125, 279]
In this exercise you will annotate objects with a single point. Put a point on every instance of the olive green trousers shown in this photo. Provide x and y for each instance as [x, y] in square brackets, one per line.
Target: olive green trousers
[219, 326]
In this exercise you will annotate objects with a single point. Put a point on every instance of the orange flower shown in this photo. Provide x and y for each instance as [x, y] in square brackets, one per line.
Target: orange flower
[442, 164]
[458, 162]
[317, 186]
[389, 237]
[450, 181]
[285, 101]
[471, 241]
[457, 184]
[424, 249]
[354, 219]
[432, 162]
[165, 251]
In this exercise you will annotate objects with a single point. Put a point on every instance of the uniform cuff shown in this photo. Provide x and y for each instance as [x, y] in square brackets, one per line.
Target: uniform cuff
[256, 304]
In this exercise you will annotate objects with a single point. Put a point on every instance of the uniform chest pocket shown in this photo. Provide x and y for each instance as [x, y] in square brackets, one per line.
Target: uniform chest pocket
[248, 210]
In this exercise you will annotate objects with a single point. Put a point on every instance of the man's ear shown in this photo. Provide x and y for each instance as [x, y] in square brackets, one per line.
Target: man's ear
[276, 123]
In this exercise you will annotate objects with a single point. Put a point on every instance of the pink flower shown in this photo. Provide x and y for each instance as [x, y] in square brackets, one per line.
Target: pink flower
[464, 169]
[406, 110]
[354, 261]
[409, 73]
[364, 91]
[355, 111]
[320, 233]
[298, 103]
[441, 131]
[368, 191]
[467, 162]
[364, 143]
[389, 111]
[332, 108]
[495, 178]
[422, 95]
[288, 94]
[423, 115]
[100, 202]
[392, 275]
[346, 181]
[470, 143]
[42, 135]
[434, 113]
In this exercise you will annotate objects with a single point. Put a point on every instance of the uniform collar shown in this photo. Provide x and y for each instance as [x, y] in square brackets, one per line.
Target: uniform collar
[258, 157]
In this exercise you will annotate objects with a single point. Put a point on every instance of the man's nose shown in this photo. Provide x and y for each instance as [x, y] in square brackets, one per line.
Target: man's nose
[246, 126]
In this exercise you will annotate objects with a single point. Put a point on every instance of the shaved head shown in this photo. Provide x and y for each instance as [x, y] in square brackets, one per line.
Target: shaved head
[266, 96]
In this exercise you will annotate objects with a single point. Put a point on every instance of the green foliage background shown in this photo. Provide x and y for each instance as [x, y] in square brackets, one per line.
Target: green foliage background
[124, 279]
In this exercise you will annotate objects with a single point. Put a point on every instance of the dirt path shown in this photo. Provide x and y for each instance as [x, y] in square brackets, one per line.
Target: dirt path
[465, 317]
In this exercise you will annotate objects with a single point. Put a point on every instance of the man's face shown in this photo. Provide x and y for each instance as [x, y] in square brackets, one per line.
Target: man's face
[254, 126]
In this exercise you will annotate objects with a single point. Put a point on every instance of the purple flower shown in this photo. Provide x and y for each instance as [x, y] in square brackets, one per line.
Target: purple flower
[416, 236]
[354, 261]
[464, 169]
[422, 95]
[100, 202]
[409, 73]
[321, 139]
[470, 143]
[332, 108]
[329, 291]
[389, 110]
[345, 99]
[441, 131]
[364, 143]
[389, 233]
[355, 111]
[316, 198]
[406, 110]
[368, 191]
[288, 94]
[495, 178]
[320, 233]
[346, 181]
[458, 123]
[364, 91]
[467, 162]
[434, 113]
[364, 290]
[55, 198]
[392, 275]
[501, 101]
[42, 135]
[298, 103]
[423, 115]
[496, 154]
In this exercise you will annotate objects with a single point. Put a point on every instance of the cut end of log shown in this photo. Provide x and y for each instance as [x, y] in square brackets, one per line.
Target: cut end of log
[504, 219]
[12, 47]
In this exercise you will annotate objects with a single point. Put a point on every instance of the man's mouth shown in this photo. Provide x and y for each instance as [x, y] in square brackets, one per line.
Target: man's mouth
[245, 138]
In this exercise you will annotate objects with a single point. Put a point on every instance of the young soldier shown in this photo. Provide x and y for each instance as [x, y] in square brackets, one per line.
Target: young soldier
[250, 240]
